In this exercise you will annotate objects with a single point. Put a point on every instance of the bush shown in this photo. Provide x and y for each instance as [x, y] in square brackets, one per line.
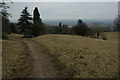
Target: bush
[81, 29]
[4, 36]
[104, 38]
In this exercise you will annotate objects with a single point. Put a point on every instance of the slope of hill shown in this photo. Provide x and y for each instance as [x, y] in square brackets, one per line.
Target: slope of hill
[82, 57]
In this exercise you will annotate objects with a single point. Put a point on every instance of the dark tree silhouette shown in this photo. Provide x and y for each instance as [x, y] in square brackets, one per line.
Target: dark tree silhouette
[80, 22]
[117, 23]
[60, 27]
[13, 28]
[25, 25]
[60, 24]
[5, 21]
[81, 29]
[36, 16]
[38, 28]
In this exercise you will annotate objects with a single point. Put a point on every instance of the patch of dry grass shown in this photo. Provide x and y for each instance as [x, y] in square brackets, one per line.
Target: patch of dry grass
[15, 37]
[16, 60]
[111, 36]
[83, 57]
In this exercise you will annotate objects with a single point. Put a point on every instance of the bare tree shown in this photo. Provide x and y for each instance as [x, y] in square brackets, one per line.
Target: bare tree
[117, 23]
[96, 28]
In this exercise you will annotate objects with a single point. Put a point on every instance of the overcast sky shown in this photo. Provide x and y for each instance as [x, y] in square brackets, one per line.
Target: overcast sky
[67, 10]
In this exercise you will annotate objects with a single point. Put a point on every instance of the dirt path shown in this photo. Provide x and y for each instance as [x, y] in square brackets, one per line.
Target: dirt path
[42, 65]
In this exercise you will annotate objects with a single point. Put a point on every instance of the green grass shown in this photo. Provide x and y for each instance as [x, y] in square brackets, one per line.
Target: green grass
[16, 60]
[82, 57]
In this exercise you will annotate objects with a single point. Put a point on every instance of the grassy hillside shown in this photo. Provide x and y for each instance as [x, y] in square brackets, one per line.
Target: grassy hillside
[111, 36]
[16, 60]
[83, 57]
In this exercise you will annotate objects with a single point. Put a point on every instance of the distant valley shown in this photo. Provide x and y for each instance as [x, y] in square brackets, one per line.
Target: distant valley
[74, 22]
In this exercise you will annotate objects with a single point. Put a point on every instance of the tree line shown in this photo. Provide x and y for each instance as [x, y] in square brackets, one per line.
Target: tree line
[33, 26]
[81, 28]
[27, 28]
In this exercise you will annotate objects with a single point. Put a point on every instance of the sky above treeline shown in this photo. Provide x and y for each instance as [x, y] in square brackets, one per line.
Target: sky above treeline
[67, 10]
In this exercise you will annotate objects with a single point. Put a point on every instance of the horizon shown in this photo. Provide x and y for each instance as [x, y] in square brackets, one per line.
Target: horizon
[72, 22]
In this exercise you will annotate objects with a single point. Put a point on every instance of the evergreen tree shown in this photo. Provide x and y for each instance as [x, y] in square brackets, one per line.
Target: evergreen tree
[38, 28]
[13, 28]
[25, 25]
[60, 24]
[60, 27]
[36, 16]
[5, 21]
[79, 22]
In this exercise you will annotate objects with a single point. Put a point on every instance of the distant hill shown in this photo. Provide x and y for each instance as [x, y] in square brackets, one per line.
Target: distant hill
[74, 22]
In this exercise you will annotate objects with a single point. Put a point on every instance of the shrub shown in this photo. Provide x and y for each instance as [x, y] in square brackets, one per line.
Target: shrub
[104, 38]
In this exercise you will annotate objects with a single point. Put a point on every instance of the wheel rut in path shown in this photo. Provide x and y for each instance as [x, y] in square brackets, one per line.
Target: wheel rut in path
[42, 64]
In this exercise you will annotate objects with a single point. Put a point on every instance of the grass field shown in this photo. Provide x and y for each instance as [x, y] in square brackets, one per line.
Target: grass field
[16, 60]
[111, 36]
[82, 57]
